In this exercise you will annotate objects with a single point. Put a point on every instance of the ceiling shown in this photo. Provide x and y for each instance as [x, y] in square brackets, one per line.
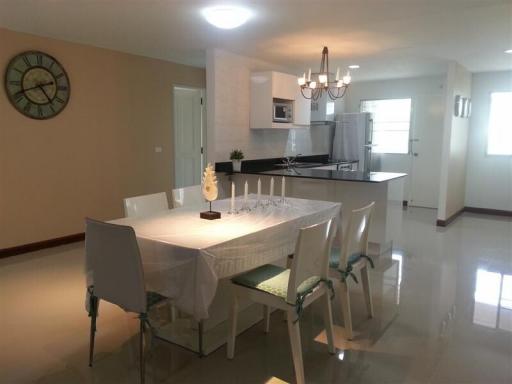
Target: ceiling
[387, 38]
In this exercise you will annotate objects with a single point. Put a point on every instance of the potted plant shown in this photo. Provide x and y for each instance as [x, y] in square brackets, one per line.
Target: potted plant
[236, 157]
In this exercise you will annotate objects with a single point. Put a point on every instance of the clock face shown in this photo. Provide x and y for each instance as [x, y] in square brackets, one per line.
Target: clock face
[37, 85]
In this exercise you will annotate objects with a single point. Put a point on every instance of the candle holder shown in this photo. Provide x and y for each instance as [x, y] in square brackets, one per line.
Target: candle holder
[233, 211]
[245, 207]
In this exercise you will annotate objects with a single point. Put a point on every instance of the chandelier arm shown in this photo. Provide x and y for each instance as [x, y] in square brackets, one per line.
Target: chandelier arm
[331, 95]
[303, 95]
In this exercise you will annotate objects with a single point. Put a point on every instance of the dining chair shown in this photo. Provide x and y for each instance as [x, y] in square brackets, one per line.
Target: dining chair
[351, 256]
[145, 205]
[291, 290]
[115, 274]
[187, 196]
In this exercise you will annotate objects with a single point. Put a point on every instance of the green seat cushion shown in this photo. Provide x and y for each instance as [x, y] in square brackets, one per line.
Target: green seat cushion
[273, 280]
[334, 258]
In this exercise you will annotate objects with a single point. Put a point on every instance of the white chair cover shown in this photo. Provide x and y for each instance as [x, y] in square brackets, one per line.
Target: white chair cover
[114, 266]
[187, 196]
[145, 205]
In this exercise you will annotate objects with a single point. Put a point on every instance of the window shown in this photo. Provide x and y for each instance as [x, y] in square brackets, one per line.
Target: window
[391, 123]
[499, 139]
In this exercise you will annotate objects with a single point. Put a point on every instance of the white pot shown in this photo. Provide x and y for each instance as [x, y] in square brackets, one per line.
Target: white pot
[237, 165]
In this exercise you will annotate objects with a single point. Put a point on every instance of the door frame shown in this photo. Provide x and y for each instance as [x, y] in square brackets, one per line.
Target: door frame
[174, 125]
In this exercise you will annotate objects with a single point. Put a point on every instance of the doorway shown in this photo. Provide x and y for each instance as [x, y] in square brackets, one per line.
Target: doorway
[189, 135]
[426, 144]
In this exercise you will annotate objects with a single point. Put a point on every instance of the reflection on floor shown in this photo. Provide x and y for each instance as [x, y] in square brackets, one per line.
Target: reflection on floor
[443, 303]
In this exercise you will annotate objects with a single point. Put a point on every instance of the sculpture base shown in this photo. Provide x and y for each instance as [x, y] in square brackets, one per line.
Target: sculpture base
[209, 215]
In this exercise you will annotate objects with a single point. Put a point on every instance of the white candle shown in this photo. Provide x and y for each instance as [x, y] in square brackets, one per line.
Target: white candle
[232, 196]
[309, 74]
[271, 187]
[338, 74]
[283, 186]
[259, 189]
[246, 191]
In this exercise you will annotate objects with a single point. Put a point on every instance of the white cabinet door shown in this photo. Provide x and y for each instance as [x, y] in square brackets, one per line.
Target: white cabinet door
[284, 86]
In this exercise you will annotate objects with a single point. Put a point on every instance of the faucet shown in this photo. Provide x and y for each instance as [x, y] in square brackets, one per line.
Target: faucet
[290, 161]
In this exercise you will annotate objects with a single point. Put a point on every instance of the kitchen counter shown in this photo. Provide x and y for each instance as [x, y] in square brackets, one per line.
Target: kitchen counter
[325, 174]
[310, 167]
[316, 178]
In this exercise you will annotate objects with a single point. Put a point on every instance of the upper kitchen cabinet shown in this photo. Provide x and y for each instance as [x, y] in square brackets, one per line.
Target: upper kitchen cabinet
[276, 102]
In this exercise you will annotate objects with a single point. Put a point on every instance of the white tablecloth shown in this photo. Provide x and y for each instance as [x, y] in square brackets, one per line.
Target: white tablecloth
[185, 256]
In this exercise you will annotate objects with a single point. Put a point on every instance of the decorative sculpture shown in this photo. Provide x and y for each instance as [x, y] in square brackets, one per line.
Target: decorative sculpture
[210, 192]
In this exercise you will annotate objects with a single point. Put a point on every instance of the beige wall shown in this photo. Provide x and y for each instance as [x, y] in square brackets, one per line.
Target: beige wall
[452, 189]
[98, 150]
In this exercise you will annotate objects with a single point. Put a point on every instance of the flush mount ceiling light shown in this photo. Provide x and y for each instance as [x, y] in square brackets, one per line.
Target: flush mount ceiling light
[320, 82]
[354, 66]
[226, 16]
[509, 51]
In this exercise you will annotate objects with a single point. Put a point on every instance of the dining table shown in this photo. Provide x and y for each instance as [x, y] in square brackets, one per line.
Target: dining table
[185, 257]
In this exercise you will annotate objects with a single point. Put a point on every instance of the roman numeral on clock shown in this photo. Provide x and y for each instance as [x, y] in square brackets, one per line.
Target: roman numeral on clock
[18, 97]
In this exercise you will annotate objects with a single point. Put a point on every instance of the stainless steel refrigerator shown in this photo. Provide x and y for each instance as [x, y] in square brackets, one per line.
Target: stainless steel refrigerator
[352, 139]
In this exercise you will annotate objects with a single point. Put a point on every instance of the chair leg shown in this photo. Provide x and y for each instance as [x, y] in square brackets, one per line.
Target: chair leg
[266, 315]
[365, 279]
[233, 325]
[174, 313]
[328, 323]
[294, 332]
[141, 348]
[93, 304]
[345, 307]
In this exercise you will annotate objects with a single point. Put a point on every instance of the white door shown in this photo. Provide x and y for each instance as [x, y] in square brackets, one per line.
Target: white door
[426, 142]
[189, 136]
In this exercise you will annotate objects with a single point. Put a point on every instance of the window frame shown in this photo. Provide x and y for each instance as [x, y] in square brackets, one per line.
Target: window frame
[489, 104]
[409, 144]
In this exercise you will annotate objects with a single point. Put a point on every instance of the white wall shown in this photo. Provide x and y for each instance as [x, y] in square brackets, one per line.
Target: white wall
[489, 178]
[427, 94]
[228, 112]
[452, 189]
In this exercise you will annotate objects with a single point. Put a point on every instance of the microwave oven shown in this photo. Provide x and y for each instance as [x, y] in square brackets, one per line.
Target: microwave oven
[282, 112]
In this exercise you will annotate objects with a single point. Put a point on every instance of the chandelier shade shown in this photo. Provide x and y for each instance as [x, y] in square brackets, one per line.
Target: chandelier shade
[318, 83]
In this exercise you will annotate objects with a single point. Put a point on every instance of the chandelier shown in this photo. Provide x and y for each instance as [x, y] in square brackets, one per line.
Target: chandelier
[320, 82]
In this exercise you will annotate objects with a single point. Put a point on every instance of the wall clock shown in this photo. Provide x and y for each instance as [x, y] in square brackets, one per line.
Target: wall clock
[37, 85]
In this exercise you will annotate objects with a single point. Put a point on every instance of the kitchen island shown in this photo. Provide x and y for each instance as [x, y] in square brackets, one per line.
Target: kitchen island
[353, 189]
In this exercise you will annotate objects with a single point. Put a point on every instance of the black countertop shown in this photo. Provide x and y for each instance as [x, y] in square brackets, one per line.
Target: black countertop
[270, 167]
[324, 174]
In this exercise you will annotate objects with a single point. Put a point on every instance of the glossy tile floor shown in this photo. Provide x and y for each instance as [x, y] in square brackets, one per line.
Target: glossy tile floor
[443, 303]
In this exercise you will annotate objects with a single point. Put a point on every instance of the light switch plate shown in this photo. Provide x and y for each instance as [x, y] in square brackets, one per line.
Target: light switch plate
[158, 149]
